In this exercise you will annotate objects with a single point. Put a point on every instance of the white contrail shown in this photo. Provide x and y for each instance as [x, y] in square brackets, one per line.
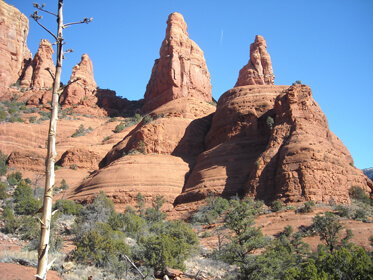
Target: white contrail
[221, 37]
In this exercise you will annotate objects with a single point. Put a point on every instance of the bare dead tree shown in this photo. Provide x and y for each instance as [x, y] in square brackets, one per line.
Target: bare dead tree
[43, 265]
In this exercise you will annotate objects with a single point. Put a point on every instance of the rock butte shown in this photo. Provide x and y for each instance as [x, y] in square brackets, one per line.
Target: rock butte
[262, 140]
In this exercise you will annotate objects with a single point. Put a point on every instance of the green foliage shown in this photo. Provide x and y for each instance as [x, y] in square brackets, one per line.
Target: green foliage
[359, 194]
[101, 245]
[361, 215]
[32, 119]
[342, 211]
[277, 206]
[74, 166]
[209, 213]
[64, 185]
[3, 167]
[134, 225]
[245, 238]
[119, 127]
[81, 131]
[3, 194]
[11, 224]
[344, 263]
[171, 247]
[147, 119]
[298, 82]
[306, 208]
[28, 206]
[14, 178]
[22, 192]
[328, 228]
[270, 122]
[133, 120]
[68, 207]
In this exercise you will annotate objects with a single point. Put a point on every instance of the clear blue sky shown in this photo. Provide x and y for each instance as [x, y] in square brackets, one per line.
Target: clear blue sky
[327, 44]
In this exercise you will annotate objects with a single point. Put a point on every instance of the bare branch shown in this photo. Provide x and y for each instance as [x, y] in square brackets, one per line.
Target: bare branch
[40, 7]
[85, 20]
[36, 17]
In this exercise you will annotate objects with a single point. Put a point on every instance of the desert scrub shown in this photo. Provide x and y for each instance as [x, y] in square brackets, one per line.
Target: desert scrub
[81, 131]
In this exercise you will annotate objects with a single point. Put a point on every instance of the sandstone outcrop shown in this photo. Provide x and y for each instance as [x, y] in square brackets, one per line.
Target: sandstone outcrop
[43, 65]
[273, 146]
[172, 135]
[82, 84]
[14, 54]
[81, 158]
[238, 135]
[33, 160]
[180, 71]
[304, 160]
[259, 70]
[124, 178]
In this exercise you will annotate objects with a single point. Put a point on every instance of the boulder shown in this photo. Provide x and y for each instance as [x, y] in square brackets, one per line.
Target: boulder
[181, 70]
[259, 70]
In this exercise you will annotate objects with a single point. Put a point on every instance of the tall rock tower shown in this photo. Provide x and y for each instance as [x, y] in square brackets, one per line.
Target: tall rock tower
[258, 70]
[181, 70]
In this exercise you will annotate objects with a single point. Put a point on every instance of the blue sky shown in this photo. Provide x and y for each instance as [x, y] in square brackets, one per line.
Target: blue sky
[327, 44]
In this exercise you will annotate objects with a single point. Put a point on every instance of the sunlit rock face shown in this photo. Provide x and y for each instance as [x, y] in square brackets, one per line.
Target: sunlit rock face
[258, 70]
[181, 70]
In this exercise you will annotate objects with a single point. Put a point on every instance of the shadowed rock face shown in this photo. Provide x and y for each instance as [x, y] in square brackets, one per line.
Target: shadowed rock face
[180, 71]
[14, 54]
[43, 66]
[259, 70]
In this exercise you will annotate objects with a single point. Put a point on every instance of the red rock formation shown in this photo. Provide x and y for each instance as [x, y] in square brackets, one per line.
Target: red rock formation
[33, 160]
[180, 71]
[271, 150]
[304, 160]
[82, 84]
[237, 136]
[43, 66]
[123, 179]
[81, 157]
[13, 49]
[259, 70]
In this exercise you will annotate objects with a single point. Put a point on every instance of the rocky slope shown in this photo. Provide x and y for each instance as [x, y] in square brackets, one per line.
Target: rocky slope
[181, 70]
[368, 172]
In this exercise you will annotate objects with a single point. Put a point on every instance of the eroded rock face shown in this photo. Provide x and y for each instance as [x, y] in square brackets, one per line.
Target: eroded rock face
[259, 70]
[237, 136]
[14, 54]
[82, 84]
[81, 157]
[180, 71]
[304, 160]
[43, 66]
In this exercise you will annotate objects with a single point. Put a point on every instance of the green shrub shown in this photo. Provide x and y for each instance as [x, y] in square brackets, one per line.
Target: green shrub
[22, 192]
[32, 119]
[270, 122]
[209, 213]
[306, 208]
[64, 185]
[81, 131]
[100, 246]
[3, 115]
[360, 215]
[3, 194]
[11, 224]
[28, 206]
[119, 127]
[276, 206]
[148, 119]
[68, 207]
[3, 167]
[342, 211]
[14, 178]
[358, 193]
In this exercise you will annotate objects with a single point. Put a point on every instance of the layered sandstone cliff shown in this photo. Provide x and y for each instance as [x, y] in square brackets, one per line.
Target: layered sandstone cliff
[181, 70]
[259, 70]
[14, 54]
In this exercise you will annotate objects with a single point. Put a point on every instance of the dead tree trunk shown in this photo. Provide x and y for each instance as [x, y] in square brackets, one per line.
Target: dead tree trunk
[43, 265]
